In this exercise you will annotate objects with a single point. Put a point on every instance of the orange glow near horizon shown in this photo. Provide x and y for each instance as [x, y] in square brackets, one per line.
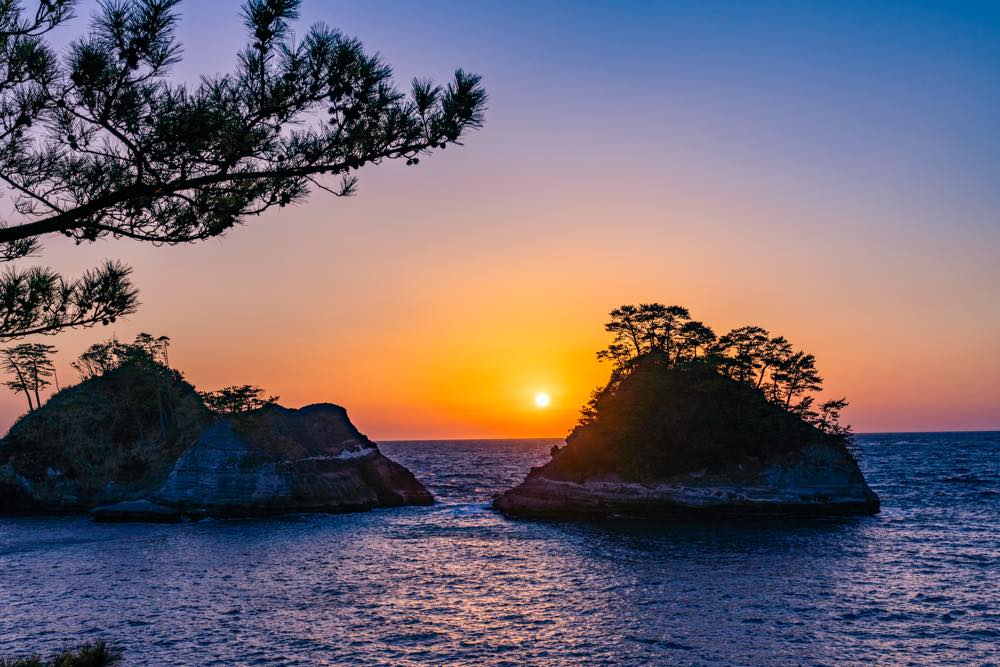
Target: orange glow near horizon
[462, 351]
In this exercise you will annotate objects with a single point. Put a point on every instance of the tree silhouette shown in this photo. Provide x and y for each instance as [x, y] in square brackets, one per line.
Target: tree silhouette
[749, 355]
[692, 337]
[30, 368]
[828, 417]
[102, 358]
[154, 347]
[649, 327]
[773, 354]
[99, 143]
[618, 354]
[669, 321]
[627, 326]
[796, 376]
[99, 359]
[740, 352]
[237, 399]
[39, 301]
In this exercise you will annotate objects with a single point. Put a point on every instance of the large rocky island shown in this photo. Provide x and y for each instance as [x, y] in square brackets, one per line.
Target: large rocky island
[139, 443]
[689, 431]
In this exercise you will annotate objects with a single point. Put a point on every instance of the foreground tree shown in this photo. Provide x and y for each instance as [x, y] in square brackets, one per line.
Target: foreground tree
[30, 368]
[40, 301]
[99, 143]
[97, 654]
[237, 399]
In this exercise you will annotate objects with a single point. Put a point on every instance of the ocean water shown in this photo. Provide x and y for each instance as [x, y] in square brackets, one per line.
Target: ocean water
[457, 584]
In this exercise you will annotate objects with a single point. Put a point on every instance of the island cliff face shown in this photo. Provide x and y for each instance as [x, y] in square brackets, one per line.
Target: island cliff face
[281, 460]
[818, 480]
[139, 444]
[677, 443]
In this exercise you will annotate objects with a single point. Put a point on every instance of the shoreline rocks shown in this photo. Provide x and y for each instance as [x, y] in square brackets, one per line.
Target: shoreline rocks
[820, 483]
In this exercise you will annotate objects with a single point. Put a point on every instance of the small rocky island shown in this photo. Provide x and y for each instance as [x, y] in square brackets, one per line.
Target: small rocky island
[135, 441]
[697, 426]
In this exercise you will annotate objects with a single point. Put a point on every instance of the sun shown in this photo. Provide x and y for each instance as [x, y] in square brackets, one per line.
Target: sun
[542, 400]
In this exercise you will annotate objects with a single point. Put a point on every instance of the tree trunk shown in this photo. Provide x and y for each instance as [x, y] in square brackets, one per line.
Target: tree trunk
[763, 370]
[635, 340]
[35, 382]
[24, 386]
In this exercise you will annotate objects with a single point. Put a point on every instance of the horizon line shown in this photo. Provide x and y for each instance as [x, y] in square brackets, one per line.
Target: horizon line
[556, 437]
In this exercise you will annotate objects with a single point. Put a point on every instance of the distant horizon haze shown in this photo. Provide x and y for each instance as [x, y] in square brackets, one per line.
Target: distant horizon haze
[829, 171]
[560, 437]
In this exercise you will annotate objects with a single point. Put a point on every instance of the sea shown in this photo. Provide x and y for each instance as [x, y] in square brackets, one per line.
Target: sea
[459, 584]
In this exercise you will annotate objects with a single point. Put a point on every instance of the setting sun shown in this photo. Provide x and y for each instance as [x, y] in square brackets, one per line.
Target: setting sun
[542, 400]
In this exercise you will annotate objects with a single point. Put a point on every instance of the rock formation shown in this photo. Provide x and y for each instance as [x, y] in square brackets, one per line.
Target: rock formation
[138, 444]
[280, 460]
[687, 442]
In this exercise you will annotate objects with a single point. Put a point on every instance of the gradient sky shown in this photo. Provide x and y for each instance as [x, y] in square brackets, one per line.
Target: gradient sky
[830, 171]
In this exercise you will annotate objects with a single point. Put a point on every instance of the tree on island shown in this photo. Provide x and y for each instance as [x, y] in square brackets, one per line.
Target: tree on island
[153, 346]
[148, 355]
[237, 399]
[749, 355]
[30, 368]
[99, 143]
[649, 327]
[690, 425]
[102, 358]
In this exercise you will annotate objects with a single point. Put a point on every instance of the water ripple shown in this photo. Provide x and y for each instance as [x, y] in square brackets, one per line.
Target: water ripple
[458, 584]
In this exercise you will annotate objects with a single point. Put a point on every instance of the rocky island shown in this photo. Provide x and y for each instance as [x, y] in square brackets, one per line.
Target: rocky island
[135, 441]
[695, 426]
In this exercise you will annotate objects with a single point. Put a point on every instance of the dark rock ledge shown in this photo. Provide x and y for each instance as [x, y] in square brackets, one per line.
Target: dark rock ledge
[274, 462]
[820, 480]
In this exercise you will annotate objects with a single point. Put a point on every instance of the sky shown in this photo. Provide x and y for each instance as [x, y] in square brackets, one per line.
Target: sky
[827, 170]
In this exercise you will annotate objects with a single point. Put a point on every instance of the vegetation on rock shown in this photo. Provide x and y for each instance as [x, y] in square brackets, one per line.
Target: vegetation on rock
[116, 434]
[121, 425]
[749, 355]
[237, 399]
[30, 368]
[681, 399]
[104, 357]
[97, 654]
